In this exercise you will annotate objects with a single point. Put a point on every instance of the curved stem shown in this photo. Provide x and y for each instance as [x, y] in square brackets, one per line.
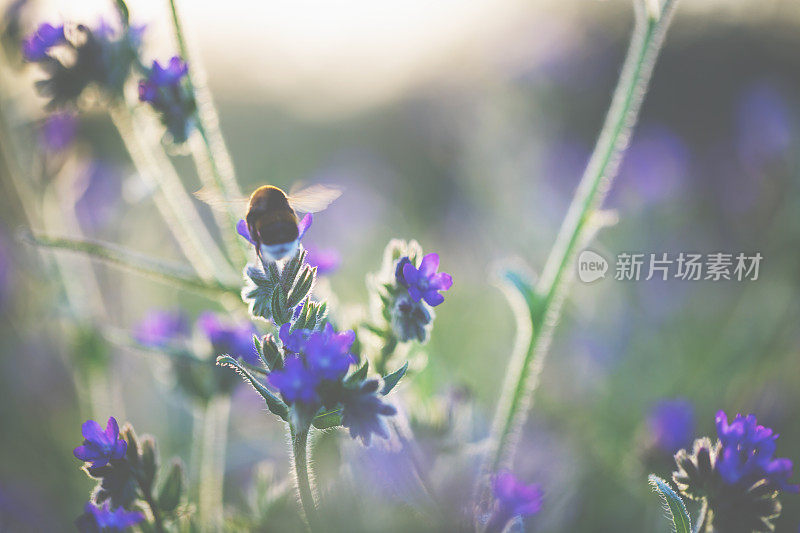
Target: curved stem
[304, 487]
[171, 199]
[543, 306]
[212, 159]
[135, 262]
[212, 465]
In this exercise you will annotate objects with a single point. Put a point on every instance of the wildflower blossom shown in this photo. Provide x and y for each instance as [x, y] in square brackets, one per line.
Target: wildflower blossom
[736, 477]
[410, 320]
[364, 412]
[160, 327]
[101, 56]
[512, 498]
[104, 520]
[163, 89]
[671, 424]
[747, 453]
[58, 131]
[38, 44]
[424, 282]
[326, 261]
[234, 339]
[99, 446]
[295, 382]
[327, 353]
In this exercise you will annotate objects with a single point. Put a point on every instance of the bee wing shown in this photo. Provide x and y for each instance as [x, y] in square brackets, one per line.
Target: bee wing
[314, 198]
[217, 202]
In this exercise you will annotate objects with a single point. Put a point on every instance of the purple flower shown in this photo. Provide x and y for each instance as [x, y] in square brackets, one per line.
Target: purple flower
[326, 261]
[235, 340]
[747, 453]
[764, 124]
[294, 341]
[363, 412]
[671, 424]
[104, 520]
[425, 283]
[160, 327]
[328, 353]
[295, 382]
[515, 498]
[99, 447]
[175, 104]
[58, 131]
[655, 165]
[35, 47]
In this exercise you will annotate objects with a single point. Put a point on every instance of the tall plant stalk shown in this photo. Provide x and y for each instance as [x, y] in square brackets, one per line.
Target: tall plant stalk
[303, 478]
[212, 464]
[542, 309]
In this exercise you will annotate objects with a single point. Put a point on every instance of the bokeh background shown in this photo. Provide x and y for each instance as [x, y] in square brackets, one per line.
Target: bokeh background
[465, 125]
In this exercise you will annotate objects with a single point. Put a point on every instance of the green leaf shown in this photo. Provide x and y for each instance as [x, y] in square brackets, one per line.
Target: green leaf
[257, 291]
[328, 419]
[673, 504]
[271, 354]
[274, 403]
[280, 313]
[358, 375]
[172, 489]
[390, 380]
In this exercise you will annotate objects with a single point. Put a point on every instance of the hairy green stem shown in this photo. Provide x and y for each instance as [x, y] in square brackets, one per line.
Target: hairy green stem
[171, 198]
[135, 262]
[211, 156]
[212, 464]
[302, 477]
[543, 305]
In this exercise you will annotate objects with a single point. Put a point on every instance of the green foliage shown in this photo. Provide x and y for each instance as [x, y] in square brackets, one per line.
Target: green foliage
[273, 292]
[274, 403]
[672, 504]
[169, 496]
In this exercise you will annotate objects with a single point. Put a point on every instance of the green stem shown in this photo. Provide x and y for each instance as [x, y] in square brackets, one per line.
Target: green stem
[299, 453]
[135, 262]
[212, 465]
[158, 523]
[543, 306]
[171, 198]
[212, 159]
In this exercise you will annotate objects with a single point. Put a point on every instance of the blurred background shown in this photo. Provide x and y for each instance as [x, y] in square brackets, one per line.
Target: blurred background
[465, 125]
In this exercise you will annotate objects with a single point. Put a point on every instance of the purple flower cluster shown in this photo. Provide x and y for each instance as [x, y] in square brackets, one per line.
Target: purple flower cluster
[104, 520]
[313, 374]
[100, 56]
[46, 36]
[100, 447]
[671, 424]
[161, 327]
[747, 453]
[424, 283]
[163, 89]
[512, 499]
[229, 338]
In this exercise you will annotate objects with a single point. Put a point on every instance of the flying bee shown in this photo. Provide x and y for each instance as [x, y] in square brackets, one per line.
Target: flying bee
[272, 220]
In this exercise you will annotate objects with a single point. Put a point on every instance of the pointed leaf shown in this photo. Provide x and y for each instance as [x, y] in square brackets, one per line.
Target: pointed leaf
[390, 380]
[672, 504]
[172, 489]
[328, 419]
[358, 375]
[274, 403]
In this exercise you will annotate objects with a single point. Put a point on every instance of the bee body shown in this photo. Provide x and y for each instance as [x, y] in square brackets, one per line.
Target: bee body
[272, 223]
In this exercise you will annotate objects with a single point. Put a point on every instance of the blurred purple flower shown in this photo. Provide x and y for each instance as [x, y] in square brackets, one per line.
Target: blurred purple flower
[162, 90]
[295, 382]
[671, 424]
[160, 327]
[764, 126]
[58, 131]
[102, 189]
[46, 36]
[99, 446]
[424, 282]
[294, 341]
[326, 261]
[104, 520]
[655, 165]
[363, 412]
[513, 499]
[747, 453]
[226, 338]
